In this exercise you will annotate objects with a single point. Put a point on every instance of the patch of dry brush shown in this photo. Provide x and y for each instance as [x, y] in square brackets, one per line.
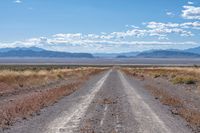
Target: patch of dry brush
[26, 104]
[190, 115]
[13, 81]
[175, 75]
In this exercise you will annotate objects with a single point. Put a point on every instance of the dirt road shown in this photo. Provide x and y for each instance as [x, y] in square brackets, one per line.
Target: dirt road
[108, 103]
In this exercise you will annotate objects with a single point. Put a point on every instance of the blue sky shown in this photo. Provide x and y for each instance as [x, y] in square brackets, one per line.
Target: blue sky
[100, 25]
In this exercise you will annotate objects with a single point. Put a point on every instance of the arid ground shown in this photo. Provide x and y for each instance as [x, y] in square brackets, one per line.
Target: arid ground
[61, 99]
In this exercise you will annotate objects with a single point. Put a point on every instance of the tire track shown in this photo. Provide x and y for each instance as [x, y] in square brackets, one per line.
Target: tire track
[110, 112]
[104, 115]
[149, 121]
[69, 120]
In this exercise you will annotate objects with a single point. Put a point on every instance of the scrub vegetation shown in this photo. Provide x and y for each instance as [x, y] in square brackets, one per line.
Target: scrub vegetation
[26, 90]
[177, 87]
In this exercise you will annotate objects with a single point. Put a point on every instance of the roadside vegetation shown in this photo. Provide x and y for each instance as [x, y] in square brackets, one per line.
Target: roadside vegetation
[24, 91]
[176, 75]
[177, 87]
[178, 107]
[23, 79]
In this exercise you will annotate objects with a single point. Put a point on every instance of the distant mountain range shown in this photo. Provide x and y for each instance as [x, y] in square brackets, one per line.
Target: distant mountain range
[38, 52]
[114, 55]
[169, 53]
[36, 49]
[193, 50]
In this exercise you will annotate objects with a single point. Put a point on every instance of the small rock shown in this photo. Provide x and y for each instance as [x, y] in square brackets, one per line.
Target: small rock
[174, 111]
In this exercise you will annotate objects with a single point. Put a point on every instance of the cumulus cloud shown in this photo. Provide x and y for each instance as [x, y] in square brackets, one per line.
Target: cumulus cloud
[132, 26]
[192, 25]
[164, 29]
[171, 14]
[190, 3]
[191, 12]
[120, 39]
[68, 36]
[90, 41]
[184, 29]
[18, 1]
[161, 30]
[129, 33]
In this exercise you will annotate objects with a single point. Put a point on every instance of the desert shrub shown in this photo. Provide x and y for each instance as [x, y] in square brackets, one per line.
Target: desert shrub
[190, 81]
[173, 75]
[183, 80]
[28, 103]
[156, 75]
[177, 80]
[195, 65]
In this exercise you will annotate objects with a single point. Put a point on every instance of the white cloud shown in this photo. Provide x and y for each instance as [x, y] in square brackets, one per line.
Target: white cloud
[192, 25]
[164, 29]
[68, 36]
[132, 26]
[190, 3]
[127, 38]
[191, 12]
[18, 1]
[84, 42]
[160, 30]
[129, 33]
[171, 14]
[159, 25]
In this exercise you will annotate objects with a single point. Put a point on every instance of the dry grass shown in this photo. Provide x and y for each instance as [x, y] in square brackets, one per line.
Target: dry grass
[164, 97]
[190, 115]
[134, 72]
[183, 80]
[11, 80]
[26, 104]
[176, 75]
[31, 103]
[16, 80]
